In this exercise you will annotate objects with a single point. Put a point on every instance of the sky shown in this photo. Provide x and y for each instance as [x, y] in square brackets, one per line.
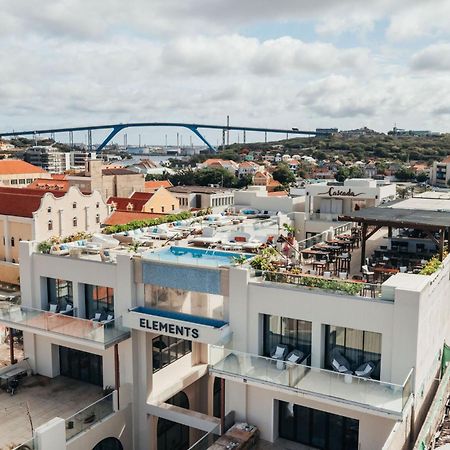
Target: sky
[285, 63]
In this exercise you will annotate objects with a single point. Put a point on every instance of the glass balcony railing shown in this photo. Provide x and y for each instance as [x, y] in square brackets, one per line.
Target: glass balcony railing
[28, 445]
[205, 442]
[376, 395]
[89, 416]
[103, 333]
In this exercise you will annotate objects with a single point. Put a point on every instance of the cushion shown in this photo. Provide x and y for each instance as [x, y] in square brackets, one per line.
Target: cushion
[278, 352]
[240, 239]
[335, 364]
[64, 247]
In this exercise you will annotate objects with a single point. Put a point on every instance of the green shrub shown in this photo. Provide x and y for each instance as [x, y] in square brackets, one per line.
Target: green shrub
[432, 265]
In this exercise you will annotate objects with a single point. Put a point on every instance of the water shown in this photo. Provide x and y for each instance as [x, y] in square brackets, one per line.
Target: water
[195, 256]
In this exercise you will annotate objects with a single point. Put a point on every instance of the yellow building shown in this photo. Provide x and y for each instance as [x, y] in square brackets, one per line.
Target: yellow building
[17, 173]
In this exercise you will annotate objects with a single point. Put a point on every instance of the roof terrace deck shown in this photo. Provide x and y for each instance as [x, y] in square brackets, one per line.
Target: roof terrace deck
[44, 398]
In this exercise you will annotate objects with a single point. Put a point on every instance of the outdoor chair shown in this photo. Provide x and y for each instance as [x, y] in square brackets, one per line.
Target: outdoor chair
[279, 352]
[365, 370]
[403, 269]
[367, 273]
[53, 307]
[68, 311]
[296, 356]
[343, 275]
[97, 317]
[339, 362]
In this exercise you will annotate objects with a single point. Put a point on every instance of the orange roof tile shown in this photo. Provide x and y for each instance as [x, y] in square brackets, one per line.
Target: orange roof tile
[122, 203]
[16, 166]
[142, 196]
[22, 202]
[52, 185]
[157, 184]
[124, 217]
[277, 194]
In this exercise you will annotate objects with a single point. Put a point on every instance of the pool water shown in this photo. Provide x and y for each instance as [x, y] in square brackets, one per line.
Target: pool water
[195, 256]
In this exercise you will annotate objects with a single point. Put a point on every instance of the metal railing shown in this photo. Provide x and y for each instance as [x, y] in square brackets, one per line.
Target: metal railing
[105, 333]
[373, 394]
[28, 445]
[322, 237]
[89, 416]
[353, 288]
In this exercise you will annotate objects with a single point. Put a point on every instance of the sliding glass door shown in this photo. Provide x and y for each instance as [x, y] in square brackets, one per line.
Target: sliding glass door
[296, 334]
[81, 366]
[357, 346]
[317, 429]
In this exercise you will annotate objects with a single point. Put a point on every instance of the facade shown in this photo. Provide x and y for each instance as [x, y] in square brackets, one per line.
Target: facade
[440, 173]
[229, 165]
[161, 201]
[325, 202]
[49, 158]
[109, 182]
[196, 334]
[35, 214]
[17, 173]
[203, 197]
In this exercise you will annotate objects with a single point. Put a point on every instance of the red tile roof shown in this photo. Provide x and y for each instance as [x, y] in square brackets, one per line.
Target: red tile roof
[142, 196]
[119, 171]
[53, 185]
[123, 217]
[157, 184]
[22, 202]
[121, 203]
[17, 166]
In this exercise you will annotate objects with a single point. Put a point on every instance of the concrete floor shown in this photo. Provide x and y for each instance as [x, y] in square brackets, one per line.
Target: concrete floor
[44, 398]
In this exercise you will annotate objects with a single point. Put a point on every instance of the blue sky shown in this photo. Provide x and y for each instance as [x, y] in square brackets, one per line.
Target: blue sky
[290, 63]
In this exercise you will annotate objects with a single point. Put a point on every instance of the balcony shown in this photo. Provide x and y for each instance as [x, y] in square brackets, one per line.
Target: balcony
[95, 334]
[381, 398]
[89, 416]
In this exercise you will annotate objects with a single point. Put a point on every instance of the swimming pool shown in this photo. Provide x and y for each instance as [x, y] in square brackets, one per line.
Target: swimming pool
[194, 256]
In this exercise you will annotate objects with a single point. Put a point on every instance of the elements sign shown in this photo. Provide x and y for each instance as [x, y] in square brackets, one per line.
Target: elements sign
[178, 330]
[333, 192]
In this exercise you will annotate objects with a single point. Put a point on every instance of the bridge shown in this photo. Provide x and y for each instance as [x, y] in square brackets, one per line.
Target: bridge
[194, 127]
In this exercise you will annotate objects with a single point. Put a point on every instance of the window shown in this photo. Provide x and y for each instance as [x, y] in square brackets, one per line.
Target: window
[98, 299]
[59, 292]
[29, 180]
[13, 181]
[12, 242]
[296, 334]
[151, 210]
[357, 346]
[167, 349]
[74, 221]
[97, 218]
[74, 205]
[173, 207]
[318, 429]
[49, 209]
[162, 208]
[50, 225]
[22, 181]
[97, 205]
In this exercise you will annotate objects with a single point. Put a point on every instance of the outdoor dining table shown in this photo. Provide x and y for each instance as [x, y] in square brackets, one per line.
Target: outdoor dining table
[316, 253]
[384, 272]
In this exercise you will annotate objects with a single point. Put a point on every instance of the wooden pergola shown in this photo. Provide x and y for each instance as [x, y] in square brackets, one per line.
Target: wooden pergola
[430, 222]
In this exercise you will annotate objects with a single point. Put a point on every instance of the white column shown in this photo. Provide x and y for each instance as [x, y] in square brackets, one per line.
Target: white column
[86, 218]
[317, 348]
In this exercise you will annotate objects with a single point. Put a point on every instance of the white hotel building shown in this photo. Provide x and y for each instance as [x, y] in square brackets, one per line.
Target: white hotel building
[187, 336]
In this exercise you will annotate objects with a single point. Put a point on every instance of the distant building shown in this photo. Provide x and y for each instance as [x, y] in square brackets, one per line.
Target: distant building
[203, 197]
[154, 185]
[161, 201]
[264, 178]
[229, 165]
[17, 173]
[109, 182]
[39, 214]
[326, 131]
[248, 168]
[48, 158]
[440, 173]
[416, 133]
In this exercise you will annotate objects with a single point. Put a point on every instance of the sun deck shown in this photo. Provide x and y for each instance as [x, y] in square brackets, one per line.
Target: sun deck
[43, 398]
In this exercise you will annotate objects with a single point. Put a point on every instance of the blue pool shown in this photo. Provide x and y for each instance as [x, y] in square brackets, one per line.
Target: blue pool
[195, 256]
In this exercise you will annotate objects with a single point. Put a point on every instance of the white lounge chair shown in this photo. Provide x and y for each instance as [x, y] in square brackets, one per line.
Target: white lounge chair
[97, 317]
[365, 369]
[296, 356]
[53, 307]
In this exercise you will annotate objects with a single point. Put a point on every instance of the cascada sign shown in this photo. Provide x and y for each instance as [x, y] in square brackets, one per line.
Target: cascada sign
[171, 328]
[333, 192]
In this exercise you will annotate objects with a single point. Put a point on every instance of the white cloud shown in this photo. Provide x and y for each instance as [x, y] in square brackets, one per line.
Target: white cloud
[435, 57]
